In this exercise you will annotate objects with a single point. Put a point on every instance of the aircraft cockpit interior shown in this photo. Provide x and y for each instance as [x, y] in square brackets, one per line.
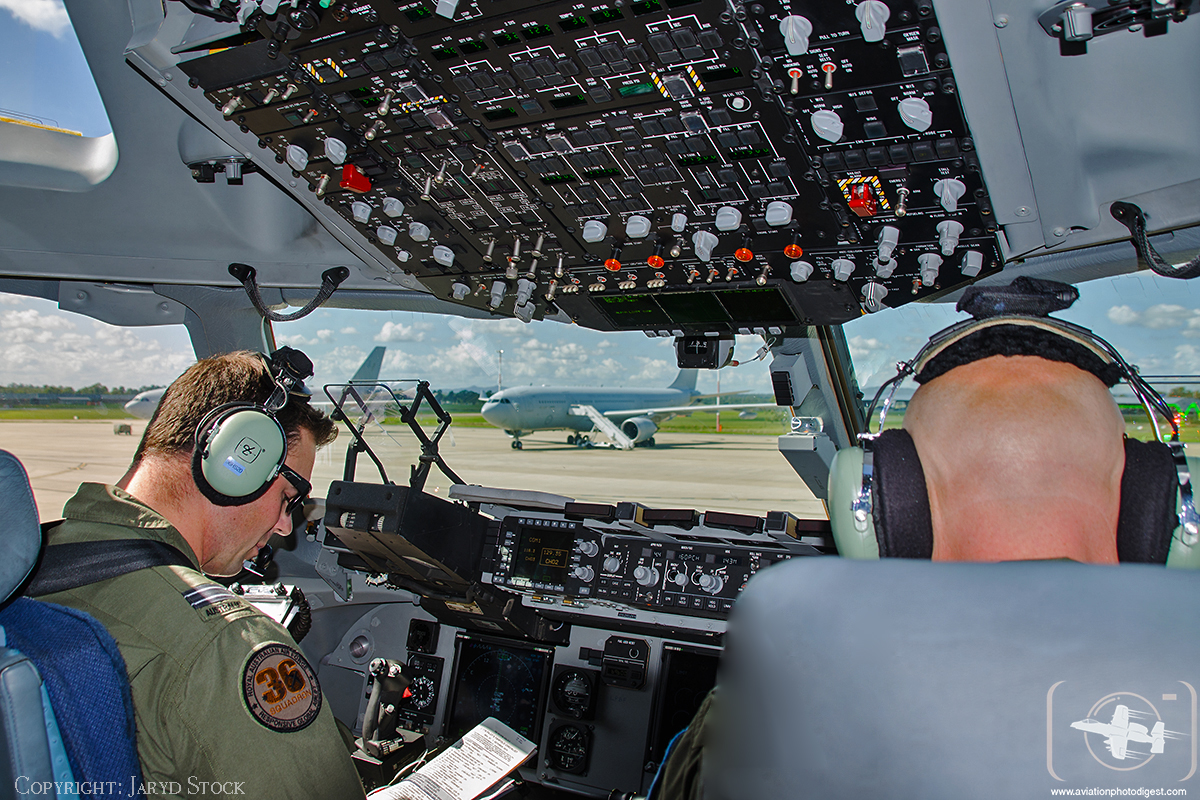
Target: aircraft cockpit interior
[694, 171]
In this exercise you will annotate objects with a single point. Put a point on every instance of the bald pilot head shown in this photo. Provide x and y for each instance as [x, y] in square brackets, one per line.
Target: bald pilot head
[1023, 458]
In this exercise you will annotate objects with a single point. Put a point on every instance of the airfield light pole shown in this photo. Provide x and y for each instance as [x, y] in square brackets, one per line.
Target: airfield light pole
[500, 370]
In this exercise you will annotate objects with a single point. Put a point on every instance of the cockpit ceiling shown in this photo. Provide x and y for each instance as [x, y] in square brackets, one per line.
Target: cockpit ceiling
[660, 166]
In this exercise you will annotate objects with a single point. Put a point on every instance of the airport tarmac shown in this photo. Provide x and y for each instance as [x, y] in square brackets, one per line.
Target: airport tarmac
[721, 472]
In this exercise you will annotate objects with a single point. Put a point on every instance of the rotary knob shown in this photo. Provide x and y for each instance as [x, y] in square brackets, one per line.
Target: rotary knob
[712, 583]
[827, 124]
[801, 270]
[778, 213]
[296, 157]
[612, 565]
[704, 242]
[948, 191]
[392, 207]
[873, 294]
[583, 573]
[972, 263]
[361, 211]
[842, 268]
[646, 576]
[872, 19]
[929, 263]
[335, 150]
[443, 255]
[386, 235]
[637, 227]
[948, 232]
[419, 232]
[916, 113]
[588, 547]
[796, 31]
[594, 231]
[728, 218]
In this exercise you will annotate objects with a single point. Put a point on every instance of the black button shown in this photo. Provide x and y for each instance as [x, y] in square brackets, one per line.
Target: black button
[544, 66]
[582, 138]
[631, 187]
[464, 83]
[877, 156]
[672, 124]
[635, 158]
[652, 127]
[676, 147]
[630, 138]
[377, 62]
[899, 153]
[833, 162]
[874, 130]
[654, 156]
[532, 107]
[599, 94]
[704, 179]
[600, 70]
[865, 102]
[779, 169]
[728, 177]
[537, 145]
[778, 189]
[580, 160]
[749, 137]
[710, 39]
[524, 70]
[855, 159]
[947, 148]
[505, 80]
[665, 174]
[758, 191]
[683, 37]
[590, 57]
[535, 83]
[728, 140]
[719, 117]
[659, 42]
[635, 53]
[923, 151]
[697, 144]
[567, 67]
[646, 176]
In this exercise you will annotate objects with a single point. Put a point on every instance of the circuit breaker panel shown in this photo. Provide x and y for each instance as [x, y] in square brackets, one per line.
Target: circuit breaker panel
[658, 165]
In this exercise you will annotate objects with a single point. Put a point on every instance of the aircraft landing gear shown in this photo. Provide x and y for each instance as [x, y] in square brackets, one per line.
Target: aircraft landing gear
[516, 445]
[571, 439]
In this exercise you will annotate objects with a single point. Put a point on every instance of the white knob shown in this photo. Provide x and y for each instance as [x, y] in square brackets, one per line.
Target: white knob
[419, 231]
[646, 576]
[386, 234]
[728, 218]
[929, 264]
[296, 157]
[827, 124]
[678, 222]
[889, 237]
[392, 207]
[360, 210]
[403, 255]
[525, 289]
[680, 579]
[873, 294]
[884, 269]
[948, 233]
[583, 573]
[801, 270]
[972, 263]
[335, 150]
[948, 191]
[795, 30]
[712, 583]
[612, 565]
[704, 242]
[872, 18]
[594, 230]
[637, 227]
[778, 213]
[497, 294]
[443, 255]
[1077, 23]
[916, 113]
[459, 290]
[842, 268]
[588, 547]
[525, 314]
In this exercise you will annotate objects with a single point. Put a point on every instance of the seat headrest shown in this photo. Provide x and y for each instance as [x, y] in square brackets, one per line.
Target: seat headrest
[18, 525]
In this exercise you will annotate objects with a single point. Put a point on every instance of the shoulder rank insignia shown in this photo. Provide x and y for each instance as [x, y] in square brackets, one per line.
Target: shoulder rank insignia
[281, 689]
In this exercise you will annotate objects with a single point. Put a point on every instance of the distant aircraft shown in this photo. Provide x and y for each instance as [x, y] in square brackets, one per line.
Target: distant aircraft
[145, 404]
[629, 417]
[1120, 732]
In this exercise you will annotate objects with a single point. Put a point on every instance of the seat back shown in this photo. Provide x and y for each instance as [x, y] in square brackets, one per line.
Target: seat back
[65, 708]
[913, 679]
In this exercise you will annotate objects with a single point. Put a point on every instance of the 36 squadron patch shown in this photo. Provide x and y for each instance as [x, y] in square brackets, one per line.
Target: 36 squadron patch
[281, 689]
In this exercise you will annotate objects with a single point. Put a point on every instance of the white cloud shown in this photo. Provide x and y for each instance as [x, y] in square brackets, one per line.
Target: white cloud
[295, 340]
[1162, 316]
[348, 332]
[41, 15]
[325, 335]
[399, 332]
[1187, 358]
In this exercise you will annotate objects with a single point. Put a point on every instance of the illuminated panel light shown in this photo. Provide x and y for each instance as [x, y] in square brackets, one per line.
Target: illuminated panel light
[866, 201]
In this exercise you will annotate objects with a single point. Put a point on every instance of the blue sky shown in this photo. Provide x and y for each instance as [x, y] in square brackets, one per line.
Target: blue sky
[1154, 321]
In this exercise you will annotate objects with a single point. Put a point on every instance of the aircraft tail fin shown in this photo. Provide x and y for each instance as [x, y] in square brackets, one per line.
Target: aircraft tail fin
[1158, 737]
[685, 380]
[368, 371]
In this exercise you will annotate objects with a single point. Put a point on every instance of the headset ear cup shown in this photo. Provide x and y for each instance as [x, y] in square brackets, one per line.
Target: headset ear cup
[239, 450]
[845, 481]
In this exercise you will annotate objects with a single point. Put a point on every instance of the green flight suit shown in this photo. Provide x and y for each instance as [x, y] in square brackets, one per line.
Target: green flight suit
[198, 659]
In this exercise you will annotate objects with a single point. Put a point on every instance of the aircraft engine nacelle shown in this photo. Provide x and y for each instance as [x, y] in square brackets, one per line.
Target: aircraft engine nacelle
[639, 429]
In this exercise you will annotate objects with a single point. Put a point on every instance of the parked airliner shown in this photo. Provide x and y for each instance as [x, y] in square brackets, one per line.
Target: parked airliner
[629, 417]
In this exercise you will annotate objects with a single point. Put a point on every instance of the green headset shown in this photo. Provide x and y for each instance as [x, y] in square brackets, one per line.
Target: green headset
[241, 447]
[878, 500]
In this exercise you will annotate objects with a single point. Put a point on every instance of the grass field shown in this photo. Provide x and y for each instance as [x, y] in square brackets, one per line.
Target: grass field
[72, 412]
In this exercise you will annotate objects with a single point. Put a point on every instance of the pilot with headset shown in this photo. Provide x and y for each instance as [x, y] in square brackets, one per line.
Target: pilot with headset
[1011, 449]
[225, 702]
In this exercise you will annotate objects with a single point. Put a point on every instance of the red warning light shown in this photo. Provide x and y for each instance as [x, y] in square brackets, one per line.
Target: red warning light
[354, 180]
[793, 251]
[612, 265]
[743, 254]
[655, 261]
